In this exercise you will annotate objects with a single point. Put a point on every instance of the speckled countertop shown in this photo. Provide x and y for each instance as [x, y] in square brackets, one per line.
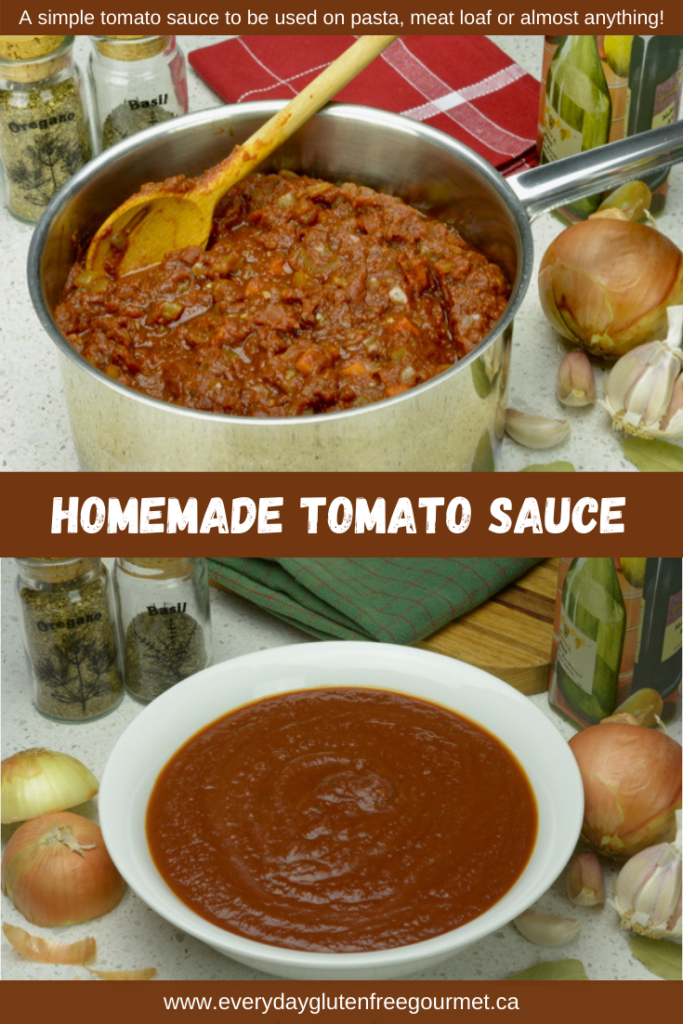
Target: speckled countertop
[133, 936]
[34, 428]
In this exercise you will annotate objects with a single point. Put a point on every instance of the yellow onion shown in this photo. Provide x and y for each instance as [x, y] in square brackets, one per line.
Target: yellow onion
[57, 871]
[40, 781]
[605, 284]
[632, 787]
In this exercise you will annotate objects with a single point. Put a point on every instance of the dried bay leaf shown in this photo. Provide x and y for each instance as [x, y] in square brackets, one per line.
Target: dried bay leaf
[483, 456]
[550, 467]
[660, 956]
[552, 970]
[653, 456]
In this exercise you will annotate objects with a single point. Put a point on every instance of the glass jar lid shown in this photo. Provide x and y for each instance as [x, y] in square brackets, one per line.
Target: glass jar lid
[33, 58]
[57, 570]
[130, 48]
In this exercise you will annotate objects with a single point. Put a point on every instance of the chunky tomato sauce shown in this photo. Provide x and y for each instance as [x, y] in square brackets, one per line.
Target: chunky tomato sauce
[310, 298]
[341, 820]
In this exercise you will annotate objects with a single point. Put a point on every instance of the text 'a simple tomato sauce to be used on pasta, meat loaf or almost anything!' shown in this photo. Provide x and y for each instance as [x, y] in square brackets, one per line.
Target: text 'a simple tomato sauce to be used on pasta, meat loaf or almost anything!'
[310, 298]
[341, 820]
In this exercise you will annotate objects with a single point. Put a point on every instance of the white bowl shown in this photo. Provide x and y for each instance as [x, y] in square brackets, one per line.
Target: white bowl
[155, 735]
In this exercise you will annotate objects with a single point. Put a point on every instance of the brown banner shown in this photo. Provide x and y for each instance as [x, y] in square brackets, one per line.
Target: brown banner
[529, 1003]
[339, 514]
[515, 17]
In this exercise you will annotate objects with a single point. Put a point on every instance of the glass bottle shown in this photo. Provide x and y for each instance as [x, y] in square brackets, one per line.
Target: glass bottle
[165, 621]
[136, 82]
[658, 654]
[69, 628]
[578, 108]
[591, 637]
[44, 134]
[654, 93]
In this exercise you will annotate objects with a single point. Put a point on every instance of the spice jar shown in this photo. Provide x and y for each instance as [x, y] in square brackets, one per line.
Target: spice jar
[44, 135]
[136, 81]
[165, 621]
[68, 619]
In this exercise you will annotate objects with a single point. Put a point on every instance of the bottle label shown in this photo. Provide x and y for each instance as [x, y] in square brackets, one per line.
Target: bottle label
[666, 102]
[560, 138]
[577, 654]
[640, 627]
[667, 97]
[673, 634]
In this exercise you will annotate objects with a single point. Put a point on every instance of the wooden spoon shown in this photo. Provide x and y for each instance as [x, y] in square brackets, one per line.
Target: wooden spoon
[158, 220]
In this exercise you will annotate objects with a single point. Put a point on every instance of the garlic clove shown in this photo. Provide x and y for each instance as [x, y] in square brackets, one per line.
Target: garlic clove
[546, 929]
[535, 431]
[585, 880]
[647, 892]
[672, 422]
[576, 380]
[648, 398]
[625, 374]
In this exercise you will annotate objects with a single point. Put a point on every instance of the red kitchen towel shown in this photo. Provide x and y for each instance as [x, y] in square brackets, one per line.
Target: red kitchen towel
[464, 85]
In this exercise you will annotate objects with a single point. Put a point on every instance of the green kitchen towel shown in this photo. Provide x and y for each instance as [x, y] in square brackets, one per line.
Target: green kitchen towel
[393, 600]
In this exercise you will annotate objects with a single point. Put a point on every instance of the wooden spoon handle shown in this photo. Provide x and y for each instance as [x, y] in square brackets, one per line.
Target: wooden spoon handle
[306, 103]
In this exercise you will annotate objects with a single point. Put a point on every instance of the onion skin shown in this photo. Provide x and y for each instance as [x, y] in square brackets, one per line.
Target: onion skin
[632, 787]
[605, 285]
[144, 974]
[53, 885]
[45, 951]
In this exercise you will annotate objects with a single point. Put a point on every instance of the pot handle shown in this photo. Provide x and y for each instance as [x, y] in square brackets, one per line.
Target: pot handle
[596, 170]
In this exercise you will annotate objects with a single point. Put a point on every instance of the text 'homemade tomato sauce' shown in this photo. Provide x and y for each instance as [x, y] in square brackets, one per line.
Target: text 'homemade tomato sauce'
[311, 298]
[341, 820]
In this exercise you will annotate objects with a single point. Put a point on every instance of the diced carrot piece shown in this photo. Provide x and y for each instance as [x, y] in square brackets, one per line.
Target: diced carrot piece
[253, 287]
[355, 370]
[277, 266]
[395, 389]
[404, 324]
[305, 364]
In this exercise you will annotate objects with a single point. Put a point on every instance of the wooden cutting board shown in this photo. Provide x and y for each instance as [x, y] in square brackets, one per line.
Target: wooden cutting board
[511, 634]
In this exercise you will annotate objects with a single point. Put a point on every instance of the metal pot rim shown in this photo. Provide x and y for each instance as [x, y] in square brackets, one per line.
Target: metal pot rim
[343, 111]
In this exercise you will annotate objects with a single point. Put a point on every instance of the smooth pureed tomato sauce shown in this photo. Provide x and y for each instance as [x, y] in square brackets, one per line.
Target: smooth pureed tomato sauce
[310, 298]
[341, 820]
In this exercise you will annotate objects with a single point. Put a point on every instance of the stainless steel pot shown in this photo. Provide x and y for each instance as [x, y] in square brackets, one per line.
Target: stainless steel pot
[452, 422]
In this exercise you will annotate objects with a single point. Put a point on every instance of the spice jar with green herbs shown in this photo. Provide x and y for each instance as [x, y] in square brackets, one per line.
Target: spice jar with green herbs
[44, 134]
[136, 82]
[70, 632]
[165, 620]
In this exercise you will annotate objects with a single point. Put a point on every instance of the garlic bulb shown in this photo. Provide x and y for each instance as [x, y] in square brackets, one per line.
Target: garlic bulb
[648, 890]
[644, 393]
